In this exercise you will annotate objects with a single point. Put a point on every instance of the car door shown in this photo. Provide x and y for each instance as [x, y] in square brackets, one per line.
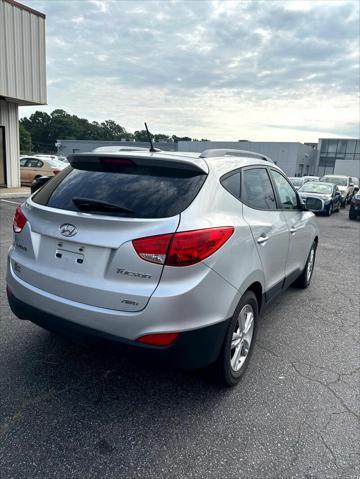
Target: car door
[301, 232]
[25, 171]
[268, 226]
[35, 169]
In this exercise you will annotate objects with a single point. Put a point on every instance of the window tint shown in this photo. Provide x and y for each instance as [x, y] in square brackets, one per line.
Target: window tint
[287, 195]
[56, 163]
[149, 192]
[32, 163]
[23, 162]
[232, 184]
[257, 191]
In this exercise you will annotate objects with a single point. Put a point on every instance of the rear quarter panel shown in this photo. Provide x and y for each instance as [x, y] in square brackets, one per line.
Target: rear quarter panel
[237, 261]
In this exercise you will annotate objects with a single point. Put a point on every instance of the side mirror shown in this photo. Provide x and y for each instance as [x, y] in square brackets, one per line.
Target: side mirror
[356, 188]
[301, 204]
[39, 182]
[337, 193]
[314, 204]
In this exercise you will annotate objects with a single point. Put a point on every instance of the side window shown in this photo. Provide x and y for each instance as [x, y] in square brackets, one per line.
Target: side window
[257, 191]
[23, 162]
[231, 183]
[34, 163]
[287, 195]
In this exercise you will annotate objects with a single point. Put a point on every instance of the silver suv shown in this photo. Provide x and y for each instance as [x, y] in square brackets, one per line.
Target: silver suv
[169, 254]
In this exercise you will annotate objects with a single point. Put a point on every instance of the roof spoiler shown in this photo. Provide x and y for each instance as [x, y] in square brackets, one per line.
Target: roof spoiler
[122, 159]
[232, 152]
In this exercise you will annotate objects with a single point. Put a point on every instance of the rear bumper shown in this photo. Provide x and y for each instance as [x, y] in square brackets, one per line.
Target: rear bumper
[192, 349]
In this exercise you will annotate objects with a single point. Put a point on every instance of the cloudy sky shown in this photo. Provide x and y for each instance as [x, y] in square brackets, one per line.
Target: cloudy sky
[271, 70]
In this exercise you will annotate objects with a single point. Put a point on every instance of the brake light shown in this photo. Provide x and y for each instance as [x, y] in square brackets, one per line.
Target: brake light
[55, 171]
[159, 339]
[117, 161]
[184, 248]
[19, 220]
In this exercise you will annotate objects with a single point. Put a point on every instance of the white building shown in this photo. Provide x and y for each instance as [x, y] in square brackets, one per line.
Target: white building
[22, 78]
[339, 155]
[294, 158]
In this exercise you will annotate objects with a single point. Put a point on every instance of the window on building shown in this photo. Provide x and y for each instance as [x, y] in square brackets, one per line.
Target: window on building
[351, 145]
[341, 147]
[332, 146]
[324, 146]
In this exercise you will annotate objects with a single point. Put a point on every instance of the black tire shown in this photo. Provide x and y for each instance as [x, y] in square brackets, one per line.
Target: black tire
[352, 216]
[304, 280]
[330, 210]
[225, 374]
[343, 204]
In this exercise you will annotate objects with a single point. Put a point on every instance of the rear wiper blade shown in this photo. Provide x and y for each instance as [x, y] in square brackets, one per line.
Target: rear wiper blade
[88, 204]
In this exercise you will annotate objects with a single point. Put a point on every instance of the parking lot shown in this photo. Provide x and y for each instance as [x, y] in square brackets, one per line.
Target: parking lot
[72, 411]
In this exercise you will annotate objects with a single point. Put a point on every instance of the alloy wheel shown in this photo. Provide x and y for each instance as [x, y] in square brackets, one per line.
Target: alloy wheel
[242, 337]
[310, 264]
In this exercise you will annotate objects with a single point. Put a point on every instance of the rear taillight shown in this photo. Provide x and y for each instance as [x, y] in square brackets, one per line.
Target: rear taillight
[158, 339]
[55, 171]
[19, 220]
[182, 249]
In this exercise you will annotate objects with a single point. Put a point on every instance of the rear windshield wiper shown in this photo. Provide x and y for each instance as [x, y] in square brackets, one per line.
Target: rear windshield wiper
[88, 204]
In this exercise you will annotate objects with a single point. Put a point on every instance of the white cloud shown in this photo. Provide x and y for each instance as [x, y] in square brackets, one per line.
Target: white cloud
[222, 70]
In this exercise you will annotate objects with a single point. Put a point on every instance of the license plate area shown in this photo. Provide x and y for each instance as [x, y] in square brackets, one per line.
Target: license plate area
[69, 258]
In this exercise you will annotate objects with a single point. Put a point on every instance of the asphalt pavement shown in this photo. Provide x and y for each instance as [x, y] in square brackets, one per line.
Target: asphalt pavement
[72, 411]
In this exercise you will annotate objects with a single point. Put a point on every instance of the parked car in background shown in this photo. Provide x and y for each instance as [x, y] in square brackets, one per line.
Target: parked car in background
[50, 157]
[346, 187]
[296, 181]
[169, 254]
[310, 178]
[321, 197]
[32, 167]
[354, 211]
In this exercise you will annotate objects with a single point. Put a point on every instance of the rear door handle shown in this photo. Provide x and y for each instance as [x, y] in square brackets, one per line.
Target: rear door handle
[293, 230]
[262, 239]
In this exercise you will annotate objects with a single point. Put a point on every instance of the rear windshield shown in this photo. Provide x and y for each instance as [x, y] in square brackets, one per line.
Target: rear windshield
[296, 181]
[56, 163]
[335, 180]
[317, 187]
[147, 191]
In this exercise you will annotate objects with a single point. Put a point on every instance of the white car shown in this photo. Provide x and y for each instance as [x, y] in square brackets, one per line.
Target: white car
[345, 185]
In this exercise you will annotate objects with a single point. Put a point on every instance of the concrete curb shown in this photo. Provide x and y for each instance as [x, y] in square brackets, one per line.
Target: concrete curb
[19, 193]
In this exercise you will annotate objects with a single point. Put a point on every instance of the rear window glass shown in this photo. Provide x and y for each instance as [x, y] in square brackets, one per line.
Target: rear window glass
[148, 192]
[232, 184]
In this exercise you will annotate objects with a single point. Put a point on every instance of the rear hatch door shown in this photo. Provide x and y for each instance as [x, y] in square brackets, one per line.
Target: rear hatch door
[81, 225]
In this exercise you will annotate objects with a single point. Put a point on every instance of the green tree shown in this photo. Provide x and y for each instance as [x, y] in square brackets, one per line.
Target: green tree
[38, 125]
[176, 139]
[161, 137]
[25, 140]
[141, 135]
[112, 131]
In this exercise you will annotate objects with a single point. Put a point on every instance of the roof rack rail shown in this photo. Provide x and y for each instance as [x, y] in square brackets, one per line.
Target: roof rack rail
[232, 152]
